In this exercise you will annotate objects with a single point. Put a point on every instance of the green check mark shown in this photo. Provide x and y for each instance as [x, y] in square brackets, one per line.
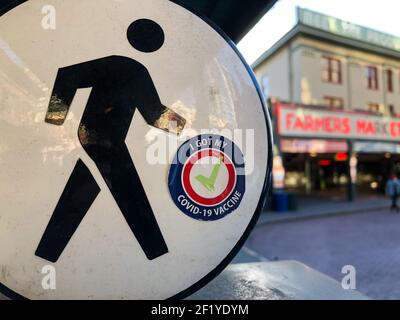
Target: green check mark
[209, 182]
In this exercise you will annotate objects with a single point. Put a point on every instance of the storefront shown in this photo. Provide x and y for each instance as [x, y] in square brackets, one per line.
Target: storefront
[334, 153]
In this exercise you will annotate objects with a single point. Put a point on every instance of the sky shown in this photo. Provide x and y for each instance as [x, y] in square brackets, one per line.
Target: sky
[382, 15]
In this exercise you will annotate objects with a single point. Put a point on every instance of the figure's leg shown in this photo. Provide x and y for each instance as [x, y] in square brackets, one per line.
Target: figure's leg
[118, 170]
[80, 192]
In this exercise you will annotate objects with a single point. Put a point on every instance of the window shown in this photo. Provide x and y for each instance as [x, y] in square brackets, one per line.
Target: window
[372, 78]
[392, 110]
[331, 70]
[389, 79]
[333, 102]
[374, 107]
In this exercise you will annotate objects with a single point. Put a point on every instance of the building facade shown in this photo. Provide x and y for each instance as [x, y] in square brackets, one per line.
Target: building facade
[335, 92]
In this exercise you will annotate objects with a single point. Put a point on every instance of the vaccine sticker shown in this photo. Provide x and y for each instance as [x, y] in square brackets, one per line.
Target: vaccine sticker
[206, 179]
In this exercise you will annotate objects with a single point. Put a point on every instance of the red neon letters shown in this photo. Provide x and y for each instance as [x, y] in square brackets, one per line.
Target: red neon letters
[336, 125]
[318, 124]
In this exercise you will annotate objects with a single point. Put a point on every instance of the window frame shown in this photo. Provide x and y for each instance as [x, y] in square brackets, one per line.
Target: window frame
[331, 99]
[392, 110]
[330, 70]
[371, 104]
[389, 80]
[372, 80]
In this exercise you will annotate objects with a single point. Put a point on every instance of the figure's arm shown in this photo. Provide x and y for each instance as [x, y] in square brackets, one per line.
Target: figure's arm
[68, 81]
[61, 98]
[154, 112]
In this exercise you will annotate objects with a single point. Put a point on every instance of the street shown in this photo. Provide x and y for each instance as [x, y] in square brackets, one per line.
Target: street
[368, 241]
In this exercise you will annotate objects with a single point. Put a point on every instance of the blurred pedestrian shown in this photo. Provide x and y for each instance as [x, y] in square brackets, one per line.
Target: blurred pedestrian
[393, 191]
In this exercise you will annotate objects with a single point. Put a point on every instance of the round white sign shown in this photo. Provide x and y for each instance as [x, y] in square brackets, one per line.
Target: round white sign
[135, 150]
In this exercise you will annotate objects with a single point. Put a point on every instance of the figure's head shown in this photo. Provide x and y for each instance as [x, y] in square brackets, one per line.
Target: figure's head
[145, 35]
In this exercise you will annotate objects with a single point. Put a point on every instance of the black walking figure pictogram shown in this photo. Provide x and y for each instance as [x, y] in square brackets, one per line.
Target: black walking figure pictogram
[119, 86]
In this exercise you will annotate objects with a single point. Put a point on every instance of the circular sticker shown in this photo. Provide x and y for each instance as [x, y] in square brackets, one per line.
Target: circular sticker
[206, 179]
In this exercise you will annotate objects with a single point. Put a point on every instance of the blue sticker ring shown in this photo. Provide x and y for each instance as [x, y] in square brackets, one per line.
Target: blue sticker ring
[180, 181]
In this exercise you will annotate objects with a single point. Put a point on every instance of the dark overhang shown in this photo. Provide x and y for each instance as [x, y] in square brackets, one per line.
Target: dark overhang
[234, 17]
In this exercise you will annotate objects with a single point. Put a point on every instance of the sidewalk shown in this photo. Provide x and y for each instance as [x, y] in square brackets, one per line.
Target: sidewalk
[246, 255]
[309, 208]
